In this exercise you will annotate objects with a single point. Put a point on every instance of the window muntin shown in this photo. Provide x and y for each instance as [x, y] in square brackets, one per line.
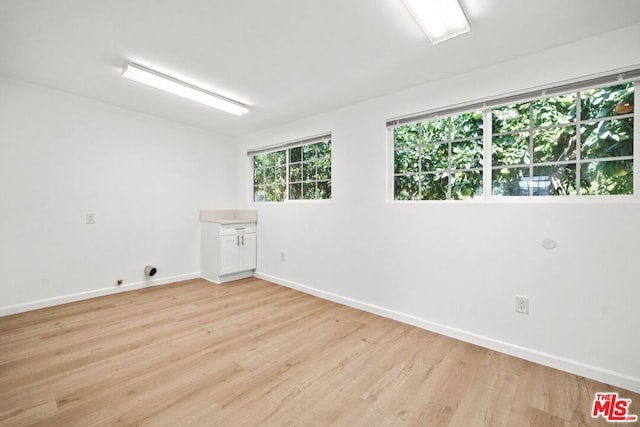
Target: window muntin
[439, 159]
[578, 143]
[298, 173]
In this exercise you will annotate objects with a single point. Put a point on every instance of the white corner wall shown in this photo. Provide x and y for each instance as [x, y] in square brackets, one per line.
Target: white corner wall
[145, 179]
[455, 267]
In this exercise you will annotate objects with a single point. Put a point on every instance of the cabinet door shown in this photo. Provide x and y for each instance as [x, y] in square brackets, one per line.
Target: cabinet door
[247, 251]
[229, 254]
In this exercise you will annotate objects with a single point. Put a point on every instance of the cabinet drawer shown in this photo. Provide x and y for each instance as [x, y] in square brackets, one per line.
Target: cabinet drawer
[230, 229]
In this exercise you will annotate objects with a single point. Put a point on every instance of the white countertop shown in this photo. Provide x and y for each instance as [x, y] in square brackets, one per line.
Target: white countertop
[229, 217]
[229, 221]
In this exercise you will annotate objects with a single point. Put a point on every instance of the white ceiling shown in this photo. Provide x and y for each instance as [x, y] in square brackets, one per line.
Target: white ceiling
[287, 59]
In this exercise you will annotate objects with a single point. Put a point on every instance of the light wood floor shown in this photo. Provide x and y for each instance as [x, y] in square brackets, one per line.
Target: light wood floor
[254, 353]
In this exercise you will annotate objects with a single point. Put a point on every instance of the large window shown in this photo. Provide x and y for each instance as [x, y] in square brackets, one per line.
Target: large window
[301, 170]
[575, 143]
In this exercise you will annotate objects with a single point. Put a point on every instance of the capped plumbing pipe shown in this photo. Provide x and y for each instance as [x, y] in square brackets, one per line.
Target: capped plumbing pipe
[150, 270]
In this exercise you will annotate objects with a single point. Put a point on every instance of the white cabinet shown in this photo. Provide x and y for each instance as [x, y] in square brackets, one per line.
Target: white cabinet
[228, 251]
[248, 251]
[229, 255]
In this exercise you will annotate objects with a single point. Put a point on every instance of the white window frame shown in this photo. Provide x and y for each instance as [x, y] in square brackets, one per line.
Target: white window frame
[487, 106]
[286, 147]
[450, 170]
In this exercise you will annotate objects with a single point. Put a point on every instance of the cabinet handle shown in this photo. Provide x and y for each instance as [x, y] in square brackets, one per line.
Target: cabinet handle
[243, 240]
[237, 240]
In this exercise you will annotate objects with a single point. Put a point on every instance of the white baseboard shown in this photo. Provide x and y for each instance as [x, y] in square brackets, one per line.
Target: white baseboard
[228, 277]
[49, 302]
[572, 366]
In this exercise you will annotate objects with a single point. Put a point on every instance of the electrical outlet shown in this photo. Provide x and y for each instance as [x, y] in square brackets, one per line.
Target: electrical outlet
[522, 304]
[90, 218]
[282, 257]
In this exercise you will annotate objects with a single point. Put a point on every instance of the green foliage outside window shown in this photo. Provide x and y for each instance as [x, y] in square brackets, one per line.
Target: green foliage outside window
[538, 147]
[439, 159]
[269, 176]
[310, 171]
[535, 144]
[304, 171]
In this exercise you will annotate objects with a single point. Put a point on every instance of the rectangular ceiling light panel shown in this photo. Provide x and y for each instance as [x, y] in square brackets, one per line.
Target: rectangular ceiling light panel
[439, 19]
[172, 85]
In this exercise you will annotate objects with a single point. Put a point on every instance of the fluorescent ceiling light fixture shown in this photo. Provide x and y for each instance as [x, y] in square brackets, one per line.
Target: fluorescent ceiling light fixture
[172, 85]
[439, 19]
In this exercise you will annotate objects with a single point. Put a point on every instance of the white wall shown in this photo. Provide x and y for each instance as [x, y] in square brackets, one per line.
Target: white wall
[455, 267]
[145, 179]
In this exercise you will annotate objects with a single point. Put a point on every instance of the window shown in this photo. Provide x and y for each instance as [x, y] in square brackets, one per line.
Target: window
[269, 176]
[576, 142]
[297, 171]
[439, 159]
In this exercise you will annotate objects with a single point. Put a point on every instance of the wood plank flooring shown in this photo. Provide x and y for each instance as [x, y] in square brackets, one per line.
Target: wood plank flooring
[252, 353]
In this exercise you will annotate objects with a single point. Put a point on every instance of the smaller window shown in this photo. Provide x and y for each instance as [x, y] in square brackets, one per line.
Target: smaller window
[300, 172]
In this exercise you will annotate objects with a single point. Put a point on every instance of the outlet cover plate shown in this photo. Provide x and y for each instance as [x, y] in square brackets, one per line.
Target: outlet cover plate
[522, 304]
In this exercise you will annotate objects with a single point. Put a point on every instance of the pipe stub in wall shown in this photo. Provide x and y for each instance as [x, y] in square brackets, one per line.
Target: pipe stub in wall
[150, 270]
